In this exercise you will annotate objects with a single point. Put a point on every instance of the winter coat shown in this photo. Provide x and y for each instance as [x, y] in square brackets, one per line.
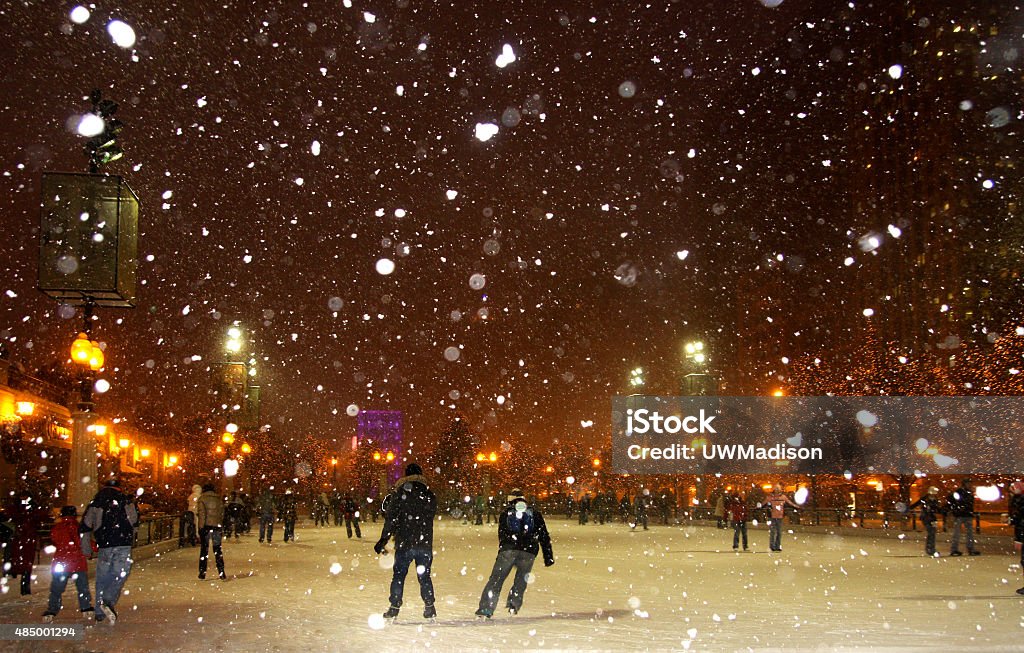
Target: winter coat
[643, 502]
[110, 519]
[777, 501]
[720, 507]
[410, 514]
[287, 508]
[524, 531]
[27, 518]
[266, 505]
[193, 499]
[1017, 516]
[961, 502]
[930, 509]
[351, 508]
[738, 510]
[210, 511]
[68, 556]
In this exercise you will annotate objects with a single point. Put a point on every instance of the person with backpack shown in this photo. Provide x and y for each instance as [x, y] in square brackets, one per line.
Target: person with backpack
[110, 520]
[521, 534]
[69, 563]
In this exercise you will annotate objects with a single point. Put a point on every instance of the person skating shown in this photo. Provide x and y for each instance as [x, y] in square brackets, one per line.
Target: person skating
[287, 512]
[643, 504]
[584, 509]
[738, 517]
[232, 520]
[720, 509]
[409, 518]
[961, 506]
[351, 509]
[210, 517]
[69, 563]
[266, 506]
[110, 520]
[930, 510]
[777, 501]
[1017, 520]
[521, 534]
[187, 527]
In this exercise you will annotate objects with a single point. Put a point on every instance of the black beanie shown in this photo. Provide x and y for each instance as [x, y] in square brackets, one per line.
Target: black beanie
[412, 469]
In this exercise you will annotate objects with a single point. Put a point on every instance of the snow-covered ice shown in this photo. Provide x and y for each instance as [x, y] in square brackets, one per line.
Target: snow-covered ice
[670, 588]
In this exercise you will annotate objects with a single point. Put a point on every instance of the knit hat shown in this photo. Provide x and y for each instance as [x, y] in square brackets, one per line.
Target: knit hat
[412, 469]
[514, 494]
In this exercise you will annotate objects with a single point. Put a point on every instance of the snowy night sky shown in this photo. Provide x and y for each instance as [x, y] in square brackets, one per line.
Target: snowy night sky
[648, 158]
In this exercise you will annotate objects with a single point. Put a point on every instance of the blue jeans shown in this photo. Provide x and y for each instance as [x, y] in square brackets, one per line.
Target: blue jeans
[112, 569]
[403, 558]
[737, 528]
[503, 564]
[206, 536]
[60, 582]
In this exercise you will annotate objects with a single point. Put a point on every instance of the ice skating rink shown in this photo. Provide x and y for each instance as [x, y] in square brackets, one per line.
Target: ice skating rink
[671, 588]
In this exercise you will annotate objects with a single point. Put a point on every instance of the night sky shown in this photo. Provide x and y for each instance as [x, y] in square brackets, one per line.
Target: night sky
[280, 151]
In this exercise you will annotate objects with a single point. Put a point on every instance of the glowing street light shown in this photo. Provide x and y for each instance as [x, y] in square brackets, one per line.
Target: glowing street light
[636, 377]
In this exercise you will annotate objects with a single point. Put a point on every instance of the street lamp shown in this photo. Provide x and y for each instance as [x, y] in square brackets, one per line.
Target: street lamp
[636, 377]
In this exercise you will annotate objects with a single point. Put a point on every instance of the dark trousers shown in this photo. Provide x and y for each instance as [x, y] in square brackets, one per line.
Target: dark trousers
[289, 528]
[349, 523]
[403, 558]
[737, 528]
[187, 529]
[60, 583]
[929, 542]
[522, 561]
[267, 528]
[206, 535]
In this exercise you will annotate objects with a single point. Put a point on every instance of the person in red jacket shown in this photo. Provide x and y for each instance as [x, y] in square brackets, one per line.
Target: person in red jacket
[738, 511]
[68, 563]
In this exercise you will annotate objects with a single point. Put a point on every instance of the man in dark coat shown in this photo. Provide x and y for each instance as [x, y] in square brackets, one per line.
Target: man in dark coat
[930, 509]
[1017, 520]
[409, 518]
[521, 534]
[961, 507]
[110, 519]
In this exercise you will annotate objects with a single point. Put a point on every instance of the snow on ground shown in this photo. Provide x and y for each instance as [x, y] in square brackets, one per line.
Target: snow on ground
[673, 587]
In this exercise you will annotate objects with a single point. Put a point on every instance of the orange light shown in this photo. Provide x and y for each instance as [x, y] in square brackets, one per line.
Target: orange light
[144, 453]
[597, 462]
[334, 461]
[493, 457]
[479, 457]
[391, 456]
[376, 455]
[219, 449]
[124, 443]
[227, 438]
[81, 349]
[172, 460]
[24, 408]
[549, 469]
[779, 393]
[95, 357]
[246, 448]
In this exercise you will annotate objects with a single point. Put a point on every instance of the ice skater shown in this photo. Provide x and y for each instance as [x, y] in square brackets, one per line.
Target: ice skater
[68, 563]
[738, 517]
[266, 505]
[777, 501]
[110, 520]
[351, 516]
[210, 517]
[521, 534]
[409, 518]
[930, 509]
[1017, 519]
[643, 503]
[961, 506]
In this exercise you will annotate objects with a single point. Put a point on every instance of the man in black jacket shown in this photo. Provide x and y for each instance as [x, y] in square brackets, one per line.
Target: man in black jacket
[961, 506]
[521, 533]
[409, 518]
[110, 520]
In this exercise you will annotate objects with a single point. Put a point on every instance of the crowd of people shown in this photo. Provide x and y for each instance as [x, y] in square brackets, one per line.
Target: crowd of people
[106, 533]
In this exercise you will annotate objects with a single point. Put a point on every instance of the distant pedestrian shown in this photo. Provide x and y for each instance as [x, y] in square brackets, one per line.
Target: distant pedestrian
[961, 506]
[266, 506]
[641, 509]
[584, 508]
[287, 512]
[26, 516]
[110, 520]
[232, 517]
[720, 509]
[409, 518]
[351, 509]
[1017, 519]
[69, 563]
[777, 501]
[187, 527]
[521, 534]
[930, 510]
[738, 517]
[210, 516]
[625, 509]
